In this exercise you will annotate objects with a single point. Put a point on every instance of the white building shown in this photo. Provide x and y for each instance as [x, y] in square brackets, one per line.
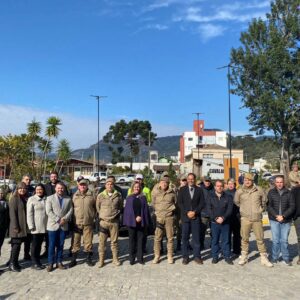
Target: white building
[190, 139]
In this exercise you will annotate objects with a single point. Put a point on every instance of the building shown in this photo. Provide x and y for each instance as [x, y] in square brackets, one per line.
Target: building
[259, 164]
[75, 167]
[194, 162]
[214, 168]
[200, 137]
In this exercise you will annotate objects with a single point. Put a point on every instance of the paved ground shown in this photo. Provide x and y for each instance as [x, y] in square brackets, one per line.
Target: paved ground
[162, 281]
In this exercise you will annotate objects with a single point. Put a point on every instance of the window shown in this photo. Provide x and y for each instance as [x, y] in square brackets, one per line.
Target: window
[190, 139]
[209, 155]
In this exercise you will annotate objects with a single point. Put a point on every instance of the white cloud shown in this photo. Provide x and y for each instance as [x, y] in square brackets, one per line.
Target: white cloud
[158, 4]
[208, 31]
[80, 132]
[215, 19]
[194, 14]
[159, 27]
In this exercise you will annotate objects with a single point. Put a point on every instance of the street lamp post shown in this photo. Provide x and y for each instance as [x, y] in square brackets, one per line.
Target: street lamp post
[98, 144]
[229, 118]
[198, 142]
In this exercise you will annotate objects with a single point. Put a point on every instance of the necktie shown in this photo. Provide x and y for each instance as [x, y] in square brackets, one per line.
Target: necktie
[192, 192]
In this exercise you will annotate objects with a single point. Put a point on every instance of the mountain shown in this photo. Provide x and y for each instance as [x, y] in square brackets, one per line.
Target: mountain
[253, 146]
[166, 146]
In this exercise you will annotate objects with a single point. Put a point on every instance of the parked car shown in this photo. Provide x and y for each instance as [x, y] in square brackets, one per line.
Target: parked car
[266, 175]
[94, 176]
[8, 182]
[131, 177]
[123, 179]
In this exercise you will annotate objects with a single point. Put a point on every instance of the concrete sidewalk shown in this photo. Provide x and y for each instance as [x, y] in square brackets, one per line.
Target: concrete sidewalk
[162, 281]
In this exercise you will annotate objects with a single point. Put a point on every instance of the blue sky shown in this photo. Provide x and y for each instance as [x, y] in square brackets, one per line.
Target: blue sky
[156, 60]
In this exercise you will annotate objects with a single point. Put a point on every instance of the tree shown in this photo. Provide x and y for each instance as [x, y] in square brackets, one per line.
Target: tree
[63, 153]
[15, 152]
[33, 131]
[266, 72]
[132, 134]
[52, 131]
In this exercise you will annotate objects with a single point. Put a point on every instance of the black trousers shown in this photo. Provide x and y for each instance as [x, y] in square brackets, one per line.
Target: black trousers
[203, 227]
[36, 245]
[2, 237]
[235, 232]
[136, 237]
[15, 250]
[27, 243]
[46, 239]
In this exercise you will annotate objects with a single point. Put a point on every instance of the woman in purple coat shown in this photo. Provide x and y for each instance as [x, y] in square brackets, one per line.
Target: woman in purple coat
[136, 219]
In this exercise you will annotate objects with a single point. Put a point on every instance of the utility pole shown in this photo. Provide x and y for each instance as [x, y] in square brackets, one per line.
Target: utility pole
[229, 117]
[98, 144]
[198, 142]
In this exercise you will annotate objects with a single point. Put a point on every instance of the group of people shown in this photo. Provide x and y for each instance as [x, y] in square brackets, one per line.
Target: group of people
[48, 213]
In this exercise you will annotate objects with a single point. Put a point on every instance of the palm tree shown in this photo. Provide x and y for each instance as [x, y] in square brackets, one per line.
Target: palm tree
[63, 152]
[52, 131]
[33, 131]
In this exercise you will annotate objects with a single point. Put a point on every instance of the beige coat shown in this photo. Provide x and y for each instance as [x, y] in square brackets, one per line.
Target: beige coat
[164, 202]
[251, 201]
[84, 208]
[55, 213]
[109, 207]
[294, 178]
[36, 214]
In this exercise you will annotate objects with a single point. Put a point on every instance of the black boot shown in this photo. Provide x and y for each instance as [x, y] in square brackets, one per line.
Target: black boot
[178, 246]
[73, 262]
[89, 259]
[14, 260]
[45, 254]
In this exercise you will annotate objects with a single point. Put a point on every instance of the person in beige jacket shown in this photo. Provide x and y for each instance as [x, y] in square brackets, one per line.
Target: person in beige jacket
[37, 223]
[164, 205]
[252, 202]
[109, 206]
[84, 203]
[294, 176]
[59, 210]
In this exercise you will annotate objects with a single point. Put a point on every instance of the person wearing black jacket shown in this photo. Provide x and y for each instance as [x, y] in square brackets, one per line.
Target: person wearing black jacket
[281, 208]
[30, 192]
[235, 220]
[296, 193]
[4, 217]
[191, 202]
[220, 209]
[208, 188]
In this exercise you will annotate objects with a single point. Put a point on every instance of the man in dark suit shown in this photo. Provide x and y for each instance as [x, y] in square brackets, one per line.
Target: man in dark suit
[191, 202]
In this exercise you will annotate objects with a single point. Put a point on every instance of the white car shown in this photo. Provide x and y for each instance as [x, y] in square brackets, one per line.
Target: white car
[94, 176]
[266, 175]
[123, 179]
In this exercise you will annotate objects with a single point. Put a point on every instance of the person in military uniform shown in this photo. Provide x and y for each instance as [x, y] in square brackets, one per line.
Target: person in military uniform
[109, 206]
[84, 203]
[164, 205]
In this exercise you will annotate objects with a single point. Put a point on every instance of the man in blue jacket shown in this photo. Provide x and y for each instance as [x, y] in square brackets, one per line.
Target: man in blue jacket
[220, 209]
